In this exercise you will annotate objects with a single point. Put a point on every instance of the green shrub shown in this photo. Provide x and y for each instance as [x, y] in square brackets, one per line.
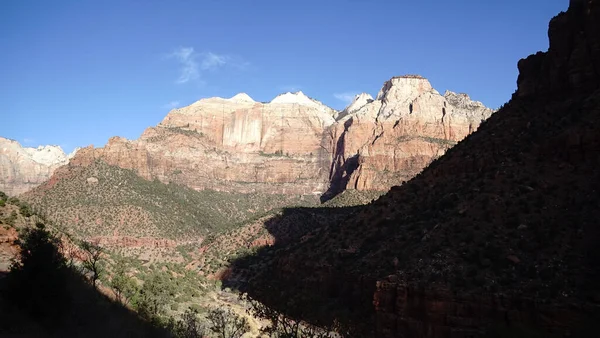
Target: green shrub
[25, 210]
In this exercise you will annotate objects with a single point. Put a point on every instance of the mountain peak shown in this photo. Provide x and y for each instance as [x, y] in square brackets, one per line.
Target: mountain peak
[296, 97]
[242, 97]
[360, 100]
[404, 87]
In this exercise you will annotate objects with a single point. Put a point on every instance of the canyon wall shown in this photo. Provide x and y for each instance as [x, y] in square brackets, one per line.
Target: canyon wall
[297, 145]
[392, 138]
[291, 145]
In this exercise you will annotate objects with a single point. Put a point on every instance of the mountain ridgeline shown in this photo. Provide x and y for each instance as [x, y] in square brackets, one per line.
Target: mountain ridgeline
[297, 145]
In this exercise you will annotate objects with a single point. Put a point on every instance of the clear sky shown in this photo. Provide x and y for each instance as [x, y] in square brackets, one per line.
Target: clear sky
[76, 72]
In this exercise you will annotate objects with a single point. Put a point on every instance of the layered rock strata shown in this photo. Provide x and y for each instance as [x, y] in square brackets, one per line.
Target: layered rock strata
[297, 145]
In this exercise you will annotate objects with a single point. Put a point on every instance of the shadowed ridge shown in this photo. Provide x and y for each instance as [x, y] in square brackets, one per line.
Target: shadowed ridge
[501, 230]
[42, 296]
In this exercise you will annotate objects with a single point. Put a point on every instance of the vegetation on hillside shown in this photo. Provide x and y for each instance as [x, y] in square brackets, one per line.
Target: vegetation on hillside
[47, 295]
[104, 200]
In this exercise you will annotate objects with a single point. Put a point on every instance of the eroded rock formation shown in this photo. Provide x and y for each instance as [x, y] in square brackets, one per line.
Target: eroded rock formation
[295, 145]
[232, 145]
[23, 168]
[386, 141]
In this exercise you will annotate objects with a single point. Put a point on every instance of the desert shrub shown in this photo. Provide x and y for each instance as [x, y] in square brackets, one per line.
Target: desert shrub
[189, 326]
[25, 210]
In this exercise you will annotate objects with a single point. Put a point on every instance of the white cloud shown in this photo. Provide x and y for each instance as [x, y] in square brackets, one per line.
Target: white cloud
[212, 61]
[189, 66]
[28, 141]
[171, 105]
[192, 63]
[346, 97]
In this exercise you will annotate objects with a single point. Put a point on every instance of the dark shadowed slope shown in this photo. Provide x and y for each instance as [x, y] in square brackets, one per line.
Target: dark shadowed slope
[44, 296]
[502, 229]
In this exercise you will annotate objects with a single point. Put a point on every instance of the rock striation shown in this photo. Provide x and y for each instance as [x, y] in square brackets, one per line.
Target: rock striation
[297, 145]
[234, 145]
[23, 168]
[382, 142]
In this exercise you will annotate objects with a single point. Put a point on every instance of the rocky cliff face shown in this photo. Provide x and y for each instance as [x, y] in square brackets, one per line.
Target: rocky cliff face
[232, 145]
[297, 145]
[382, 142]
[22, 168]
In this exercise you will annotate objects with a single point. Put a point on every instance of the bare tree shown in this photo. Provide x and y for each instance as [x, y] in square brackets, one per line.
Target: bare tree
[227, 324]
[91, 261]
[283, 326]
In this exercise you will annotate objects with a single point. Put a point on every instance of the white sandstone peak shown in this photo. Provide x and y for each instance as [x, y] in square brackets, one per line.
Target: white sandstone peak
[46, 155]
[359, 101]
[297, 98]
[326, 113]
[407, 86]
[242, 97]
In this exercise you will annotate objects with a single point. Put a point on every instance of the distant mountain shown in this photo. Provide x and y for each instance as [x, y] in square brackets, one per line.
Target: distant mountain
[23, 168]
[295, 144]
[498, 236]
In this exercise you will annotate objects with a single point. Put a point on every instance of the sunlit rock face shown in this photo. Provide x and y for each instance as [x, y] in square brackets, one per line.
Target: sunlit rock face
[23, 168]
[390, 139]
[295, 144]
[233, 144]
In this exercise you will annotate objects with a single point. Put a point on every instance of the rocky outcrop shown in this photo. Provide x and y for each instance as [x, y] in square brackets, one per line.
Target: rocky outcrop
[572, 62]
[134, 242]
[24, 168]
[389, 140]
[404, 310]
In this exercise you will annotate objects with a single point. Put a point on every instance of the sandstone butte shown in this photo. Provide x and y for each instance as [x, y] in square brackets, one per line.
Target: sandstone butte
[295, 144]
[22, 169]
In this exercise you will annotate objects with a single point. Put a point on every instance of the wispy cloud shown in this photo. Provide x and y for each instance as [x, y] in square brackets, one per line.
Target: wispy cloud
[345, 97]
[171, 105]
[290, 88]
[189, 65]
[192, 63]
[28, 141]
[212, 61]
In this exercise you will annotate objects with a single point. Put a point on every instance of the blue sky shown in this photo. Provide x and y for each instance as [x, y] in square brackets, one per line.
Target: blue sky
[75, 73]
